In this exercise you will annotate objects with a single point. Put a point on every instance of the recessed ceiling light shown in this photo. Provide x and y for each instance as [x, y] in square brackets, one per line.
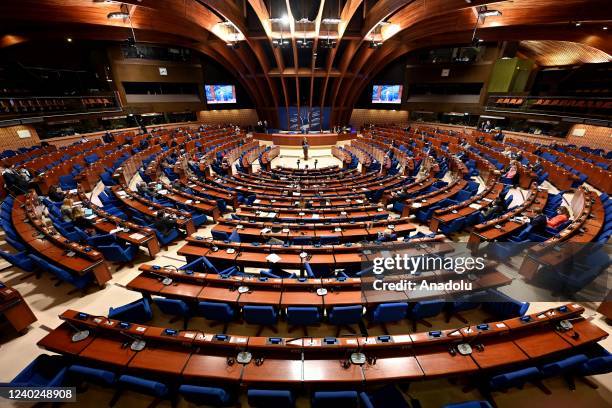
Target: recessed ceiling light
[69, 39]
[578, 24]
[605, 27]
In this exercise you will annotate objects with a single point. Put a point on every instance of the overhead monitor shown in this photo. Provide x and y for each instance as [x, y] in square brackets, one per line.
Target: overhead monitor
[220, 94]
[387, 94]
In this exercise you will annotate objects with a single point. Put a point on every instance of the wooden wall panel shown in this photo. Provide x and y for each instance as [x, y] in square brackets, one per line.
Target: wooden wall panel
[594, 136]
[9, 138]
[242, 117]
[378, 116]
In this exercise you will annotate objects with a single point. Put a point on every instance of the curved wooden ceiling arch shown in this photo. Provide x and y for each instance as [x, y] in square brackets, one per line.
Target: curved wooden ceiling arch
[402, 25]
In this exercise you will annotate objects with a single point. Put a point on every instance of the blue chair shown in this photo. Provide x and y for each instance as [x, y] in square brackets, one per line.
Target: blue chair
[270, 398]
[78, 374]
[600, 363]
[503, 306]
[209, 267]
[517, 378]
[303, 316]
[15, 244]
[44, 371]
[234, 236]
[264, 316]
[209, 396]
[463, 303]
[217, 312]
[335, 399]
[388, 313]
[276, 274]
[469, 404]
[344, 316]
[67, 182]
[424, 309]
[79, 281]
[319, 271]
[175, 307]
[141, 385]
[134, 312]
[20, 260]
[116, 253]
[102, 239]
[564, 367]
[166, 239]
[388, 396]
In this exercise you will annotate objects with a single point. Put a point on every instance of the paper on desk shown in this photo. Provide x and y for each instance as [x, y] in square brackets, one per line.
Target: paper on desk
[163, 192]
[91, 217]
[116, 230]
[273, 258]
[265, 230]
[416, 205]
[316, 216]
[296, 194]
[188, 201]
[475, 206]
[137, 236]
[257, 201]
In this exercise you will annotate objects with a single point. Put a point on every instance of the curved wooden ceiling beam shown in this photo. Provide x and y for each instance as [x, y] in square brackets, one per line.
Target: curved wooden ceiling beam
[349, 9]
[296, 62]
[313, 62]
[259, 7]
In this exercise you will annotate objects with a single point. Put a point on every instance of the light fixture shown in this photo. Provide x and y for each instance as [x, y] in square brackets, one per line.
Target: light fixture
[577, 23]
[69, 39]
[331, 21]
[285, 20]
[490, 13]
[605, 27]
[118, 15]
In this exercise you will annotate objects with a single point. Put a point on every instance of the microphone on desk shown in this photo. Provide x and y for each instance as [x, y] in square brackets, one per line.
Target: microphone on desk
[79, 334]
[137, 344]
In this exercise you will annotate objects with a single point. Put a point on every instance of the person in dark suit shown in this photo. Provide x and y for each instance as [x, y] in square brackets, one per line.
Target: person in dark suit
[56, 194]
[163, 223]
[497, 209]
[305, 148]
[108, 137]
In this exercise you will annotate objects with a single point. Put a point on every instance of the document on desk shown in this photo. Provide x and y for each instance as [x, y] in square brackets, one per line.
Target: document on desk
[416, 205]
[137, 236]
[271, 215]
[316, 216]
[257, 201]
[163, 192]
[265, 230]
[116, 230]
[188, 201]
[475, 206]
[296, 194]
[273, 258]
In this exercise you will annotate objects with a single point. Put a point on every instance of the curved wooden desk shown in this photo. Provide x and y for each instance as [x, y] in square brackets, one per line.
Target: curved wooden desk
[191, 355]
[295, 139]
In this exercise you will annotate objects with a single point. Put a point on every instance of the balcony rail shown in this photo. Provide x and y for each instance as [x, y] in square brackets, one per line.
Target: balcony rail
[33, 106]
[599, 108]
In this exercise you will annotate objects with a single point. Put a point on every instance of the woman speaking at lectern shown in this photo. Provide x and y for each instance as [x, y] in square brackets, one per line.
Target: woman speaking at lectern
[305, 148]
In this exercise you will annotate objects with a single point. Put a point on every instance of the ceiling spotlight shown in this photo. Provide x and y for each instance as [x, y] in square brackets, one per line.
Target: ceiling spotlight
[69, 39]
[285, 20]
[577, 23]
[605, 27]
[490, 13]
[118, 15]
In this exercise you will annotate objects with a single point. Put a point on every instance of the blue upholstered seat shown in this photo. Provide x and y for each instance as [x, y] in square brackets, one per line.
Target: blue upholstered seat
[209, 396]
[174, 307]
[135, 312]
[503, 306]
[79, 373]
[143, 386]
[389, 312]
[303, 316]
[424, 309]
[270, 398]
[117, 253]
[220, 312]
[261, 315]
[515, 378]
[20, 260]
[335, 399]
[563, 366]
[80, 281]
[44, 371]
